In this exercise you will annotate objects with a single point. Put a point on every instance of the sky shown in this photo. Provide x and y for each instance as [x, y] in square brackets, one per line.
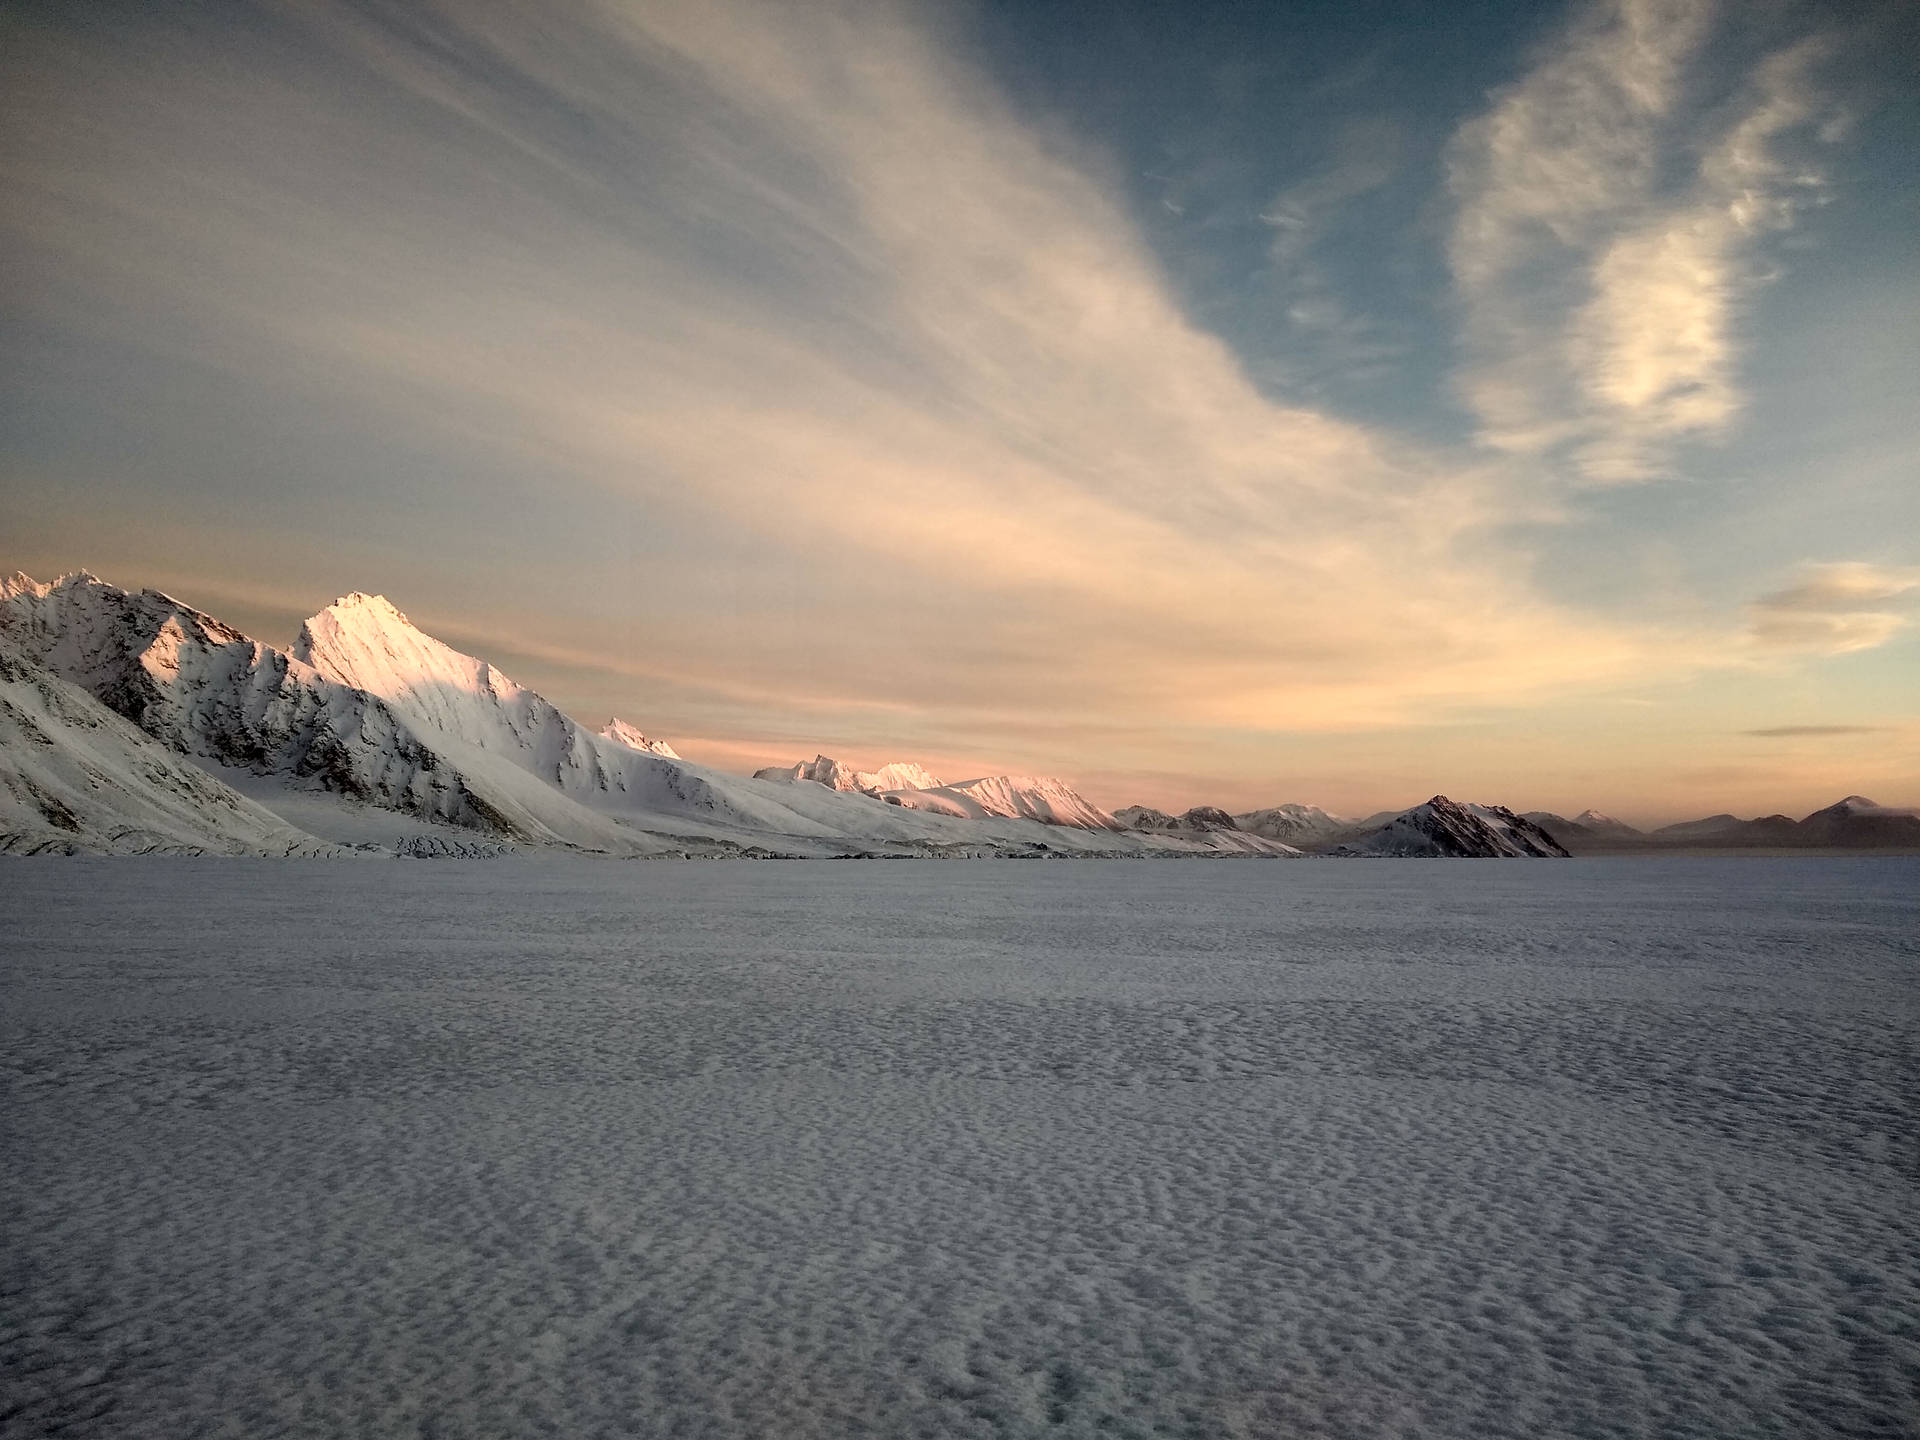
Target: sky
[1226, 404]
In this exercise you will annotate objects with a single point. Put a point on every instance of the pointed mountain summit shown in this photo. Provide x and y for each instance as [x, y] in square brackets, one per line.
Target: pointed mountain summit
[821, 770]
[1602, 824]
[208, 691]
[1858, 823]
[376, 734]
[474, 709]
[366, 642]
[1852, 805]
[904, 775]
[1587, 832]
[1198, 820]
[1302, 825]
[479, 714]
[1444, 827]
[631, 736]
[1018, 797]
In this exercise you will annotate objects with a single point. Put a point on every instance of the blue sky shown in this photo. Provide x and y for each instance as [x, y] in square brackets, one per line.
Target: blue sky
[1223, 404]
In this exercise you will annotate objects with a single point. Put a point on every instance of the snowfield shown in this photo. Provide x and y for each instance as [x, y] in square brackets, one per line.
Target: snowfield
[539, 1146]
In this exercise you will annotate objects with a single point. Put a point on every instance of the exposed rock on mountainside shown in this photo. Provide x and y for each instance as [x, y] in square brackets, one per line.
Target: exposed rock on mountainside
[1444, 827]
[1203, 825]
[371, 709]
[206, 690]
[75, 778]
[476, 711]
[369, 717]
[1198, 820]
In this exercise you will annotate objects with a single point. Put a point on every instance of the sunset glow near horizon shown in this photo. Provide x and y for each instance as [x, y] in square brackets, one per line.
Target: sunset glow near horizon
[1209, 405]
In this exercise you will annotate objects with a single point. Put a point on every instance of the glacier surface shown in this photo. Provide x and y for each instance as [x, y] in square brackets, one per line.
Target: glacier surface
[560, 1146]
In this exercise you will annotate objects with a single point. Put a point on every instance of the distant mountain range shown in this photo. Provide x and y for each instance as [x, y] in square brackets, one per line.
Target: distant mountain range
[835, 776]
[1855, 823]
[132, 723]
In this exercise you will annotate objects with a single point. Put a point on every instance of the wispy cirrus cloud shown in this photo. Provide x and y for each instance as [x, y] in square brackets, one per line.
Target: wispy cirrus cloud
[764, 362]
[1604, 253]
[799, 281]
[1328, 333]
[1798, 732]
[1837, 607]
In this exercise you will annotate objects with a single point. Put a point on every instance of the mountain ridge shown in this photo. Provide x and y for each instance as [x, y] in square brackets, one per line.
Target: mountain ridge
[823, 770]
[78, 778]
[368, 717]
[369, 710]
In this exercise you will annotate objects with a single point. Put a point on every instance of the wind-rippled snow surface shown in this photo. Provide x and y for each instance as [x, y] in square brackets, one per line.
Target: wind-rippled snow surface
[1089, 1149]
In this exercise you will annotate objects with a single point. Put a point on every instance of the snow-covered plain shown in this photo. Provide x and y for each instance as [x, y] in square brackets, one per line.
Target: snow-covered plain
[541, 1146]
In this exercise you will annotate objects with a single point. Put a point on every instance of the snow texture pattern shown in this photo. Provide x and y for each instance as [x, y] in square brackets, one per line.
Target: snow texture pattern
[559, 1147]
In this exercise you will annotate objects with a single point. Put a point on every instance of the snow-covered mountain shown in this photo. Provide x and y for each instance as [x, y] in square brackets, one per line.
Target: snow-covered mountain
[1444, 827]
[821, 770]
[1301, 825]
[477, 715]
[1203, 825]
[371, 733]
[482, 717]
[1601, 824]
[1853, 823]
[1857, 822]
[1198, 820]
[75, 778]
[364, 642]
[206, 690]
[210, 692]
[1586, 832]
[1145, 817]
[631, 736]
[1021, 797]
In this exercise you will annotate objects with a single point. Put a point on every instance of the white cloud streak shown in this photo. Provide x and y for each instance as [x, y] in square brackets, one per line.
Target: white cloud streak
[1329, 335]
[1603, 298]
[795, 274]
[1837, 608]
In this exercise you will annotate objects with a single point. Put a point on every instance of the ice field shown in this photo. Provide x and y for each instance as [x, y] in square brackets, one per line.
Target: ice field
[575, 1148]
